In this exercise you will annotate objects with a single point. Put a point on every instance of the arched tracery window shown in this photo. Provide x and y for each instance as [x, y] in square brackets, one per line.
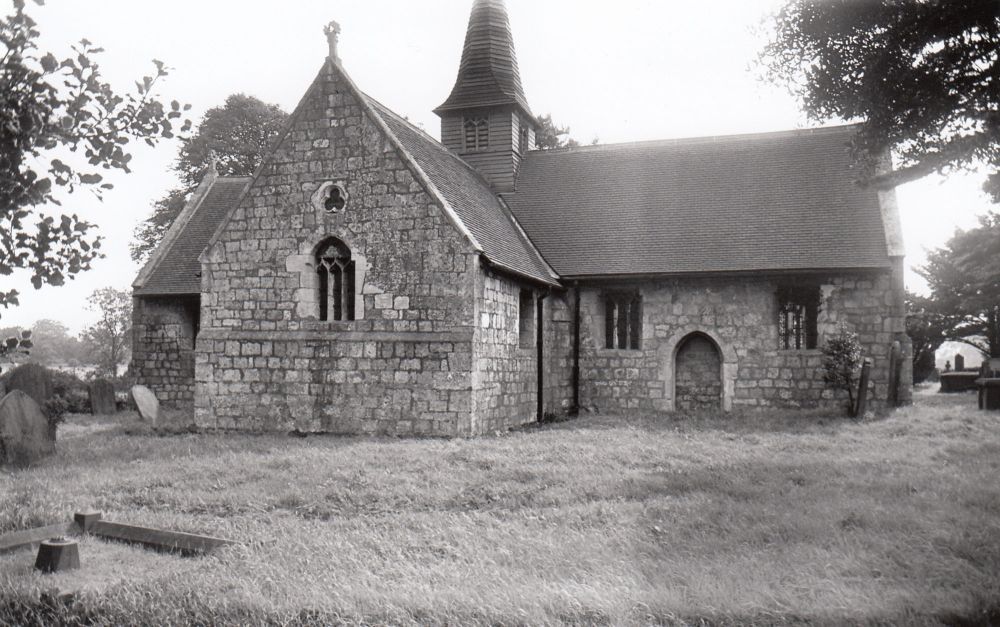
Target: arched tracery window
[336, 280]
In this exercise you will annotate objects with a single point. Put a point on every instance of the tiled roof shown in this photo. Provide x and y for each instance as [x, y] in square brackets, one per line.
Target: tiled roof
[775, 201]
[178, 271]
[471, 198]
[488, 74]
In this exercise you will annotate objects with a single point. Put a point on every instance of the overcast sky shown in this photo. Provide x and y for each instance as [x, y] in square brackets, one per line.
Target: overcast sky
[623, 71]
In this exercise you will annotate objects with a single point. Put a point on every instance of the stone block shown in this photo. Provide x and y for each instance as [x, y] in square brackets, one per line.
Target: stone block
[102, 397]
[145, 401]
[25, 437]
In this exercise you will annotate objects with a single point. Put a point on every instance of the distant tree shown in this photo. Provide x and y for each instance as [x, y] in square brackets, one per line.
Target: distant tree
[49, 107]
[238, 134]
[842, 361]
[53, 345]
[928, 330]
[550, 135]
[921, 76]
[964, 278]
[110, 338]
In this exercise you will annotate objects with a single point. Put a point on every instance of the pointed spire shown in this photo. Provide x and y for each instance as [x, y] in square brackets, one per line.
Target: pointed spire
[488, 74]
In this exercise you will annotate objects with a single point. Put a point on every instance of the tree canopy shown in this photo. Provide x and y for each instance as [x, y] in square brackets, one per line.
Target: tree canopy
[238, 134]
[109, 338]
[550, 135]
[920, 75]
[964, 278]
[61, 126]
[928, 330]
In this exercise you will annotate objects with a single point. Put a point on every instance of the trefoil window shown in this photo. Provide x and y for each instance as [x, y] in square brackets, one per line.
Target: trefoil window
[336, 280]
[622, 320]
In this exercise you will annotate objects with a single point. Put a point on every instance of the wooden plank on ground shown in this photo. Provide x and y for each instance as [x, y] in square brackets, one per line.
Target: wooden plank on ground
[159, 539]
[20, 539]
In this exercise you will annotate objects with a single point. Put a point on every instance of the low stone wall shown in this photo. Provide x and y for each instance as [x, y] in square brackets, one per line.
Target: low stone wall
[739, 316]
[163, 340]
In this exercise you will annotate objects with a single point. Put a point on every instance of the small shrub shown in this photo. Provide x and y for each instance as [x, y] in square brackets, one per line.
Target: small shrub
[73, 391]
[841, 362]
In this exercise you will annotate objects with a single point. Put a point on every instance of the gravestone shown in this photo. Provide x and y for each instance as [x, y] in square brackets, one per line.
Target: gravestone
[959, 362]
[33, 380]
[24, 431]
[102, 397]
[145, 401]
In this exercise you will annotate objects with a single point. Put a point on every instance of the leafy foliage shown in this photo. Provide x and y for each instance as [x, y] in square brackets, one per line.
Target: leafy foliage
[964, 278]
[920, 74]
[109, 339]
[927, 329]
[17, 344]
[48, 105]
[842, 361]
[550, 135]
[237, 134]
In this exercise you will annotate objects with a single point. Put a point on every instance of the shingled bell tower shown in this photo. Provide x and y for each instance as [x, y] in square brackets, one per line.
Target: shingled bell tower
[486, 119]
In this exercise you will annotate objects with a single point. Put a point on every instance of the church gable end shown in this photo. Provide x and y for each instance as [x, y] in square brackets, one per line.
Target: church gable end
[337, 283]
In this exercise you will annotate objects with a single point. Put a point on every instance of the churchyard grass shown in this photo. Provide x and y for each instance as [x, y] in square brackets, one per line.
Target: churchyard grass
[781, 517]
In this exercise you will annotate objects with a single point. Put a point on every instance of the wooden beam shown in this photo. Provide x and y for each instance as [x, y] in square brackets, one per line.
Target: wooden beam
[20, 539]
[159, 539]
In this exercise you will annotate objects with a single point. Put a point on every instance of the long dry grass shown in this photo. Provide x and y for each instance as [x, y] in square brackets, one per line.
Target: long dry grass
[773, 518]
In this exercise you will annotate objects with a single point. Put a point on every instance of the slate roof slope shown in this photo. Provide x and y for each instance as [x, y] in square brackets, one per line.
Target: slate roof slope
[773, 202]
[471, 197]
[487, 74]
[178, 271]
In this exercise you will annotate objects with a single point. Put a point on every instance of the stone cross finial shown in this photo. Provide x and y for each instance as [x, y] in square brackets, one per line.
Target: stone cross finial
[332, 30]
[213, 162]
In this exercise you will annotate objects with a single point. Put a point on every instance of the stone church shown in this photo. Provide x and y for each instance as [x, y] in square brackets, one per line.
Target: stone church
[370, 279]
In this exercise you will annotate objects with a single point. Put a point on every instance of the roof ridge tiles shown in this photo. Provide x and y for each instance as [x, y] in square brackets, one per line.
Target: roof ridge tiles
[696, 140]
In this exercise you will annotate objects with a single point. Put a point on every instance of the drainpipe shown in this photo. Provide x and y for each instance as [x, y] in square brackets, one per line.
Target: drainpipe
[576, 349]
[540, 345]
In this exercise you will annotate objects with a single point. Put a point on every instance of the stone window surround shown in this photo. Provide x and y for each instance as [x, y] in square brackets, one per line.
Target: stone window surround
[667, 358]
[303, 263]
[634, 326]
[318, 198]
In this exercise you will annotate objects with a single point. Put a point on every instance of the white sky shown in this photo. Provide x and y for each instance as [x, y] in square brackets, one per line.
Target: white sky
[624, 71]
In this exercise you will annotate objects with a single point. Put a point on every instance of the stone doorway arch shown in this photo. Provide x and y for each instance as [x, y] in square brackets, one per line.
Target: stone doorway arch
[697, 374]
[694, 349]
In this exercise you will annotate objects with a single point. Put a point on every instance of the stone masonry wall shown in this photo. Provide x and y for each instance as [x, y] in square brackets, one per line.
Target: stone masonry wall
[163, 348]
[265, 361]
[505, 388]
[558, 353]
[740, 316]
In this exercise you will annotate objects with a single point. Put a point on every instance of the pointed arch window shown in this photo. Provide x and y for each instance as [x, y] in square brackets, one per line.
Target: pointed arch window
[336, 280]
[477, 133]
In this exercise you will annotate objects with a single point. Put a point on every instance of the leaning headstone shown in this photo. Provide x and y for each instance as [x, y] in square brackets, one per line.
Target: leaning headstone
[959, 362]
[145, 401]
[102, 397]
[33, 380]
[24, 431]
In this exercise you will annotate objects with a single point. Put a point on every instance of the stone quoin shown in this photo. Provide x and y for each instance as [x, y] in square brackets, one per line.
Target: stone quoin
[371, 279]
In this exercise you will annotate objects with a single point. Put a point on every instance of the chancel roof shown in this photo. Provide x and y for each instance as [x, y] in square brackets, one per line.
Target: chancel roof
[785, 201]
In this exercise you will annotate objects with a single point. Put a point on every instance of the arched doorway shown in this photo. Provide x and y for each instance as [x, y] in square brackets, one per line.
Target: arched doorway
[698, 374]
